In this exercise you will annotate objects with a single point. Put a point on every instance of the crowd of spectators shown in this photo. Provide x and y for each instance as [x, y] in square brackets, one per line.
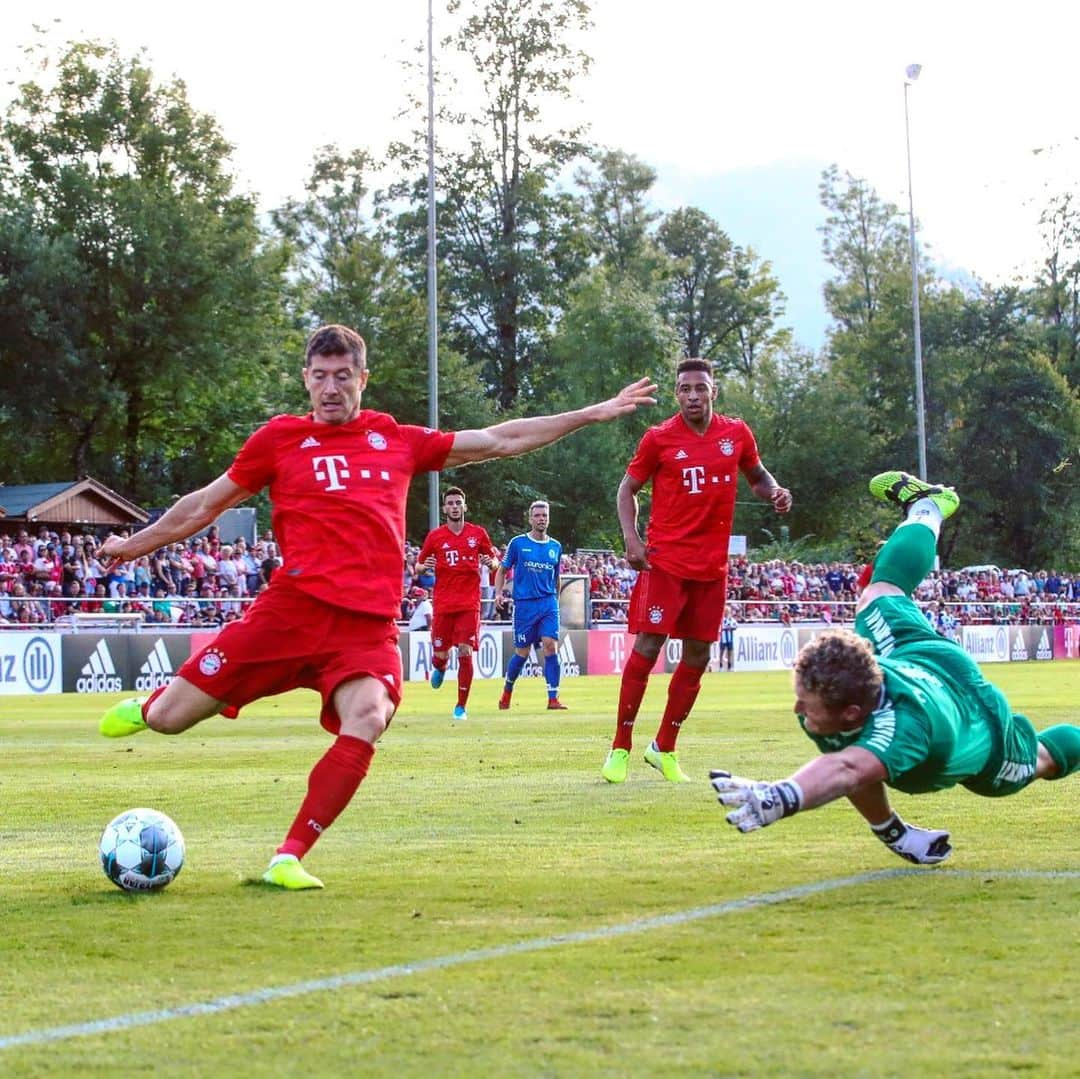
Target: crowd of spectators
[206, 582]
[50, 576]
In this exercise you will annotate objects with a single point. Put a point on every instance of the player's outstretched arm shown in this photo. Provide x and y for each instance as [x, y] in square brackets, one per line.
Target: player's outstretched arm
[183, 518]
[515, 437]
[758, 804]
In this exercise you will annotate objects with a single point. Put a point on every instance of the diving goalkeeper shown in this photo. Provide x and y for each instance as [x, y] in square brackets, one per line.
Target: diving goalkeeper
[896, 705]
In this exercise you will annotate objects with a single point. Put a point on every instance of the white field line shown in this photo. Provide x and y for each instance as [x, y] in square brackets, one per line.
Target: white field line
[480, 955]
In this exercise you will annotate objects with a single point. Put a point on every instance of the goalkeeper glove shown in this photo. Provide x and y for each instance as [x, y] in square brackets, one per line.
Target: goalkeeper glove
[758, 804]
[919, 845]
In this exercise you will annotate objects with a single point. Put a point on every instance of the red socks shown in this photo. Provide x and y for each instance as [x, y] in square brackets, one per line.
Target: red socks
[464, 679]
[331, 785]
[682, 692]
[635, 679]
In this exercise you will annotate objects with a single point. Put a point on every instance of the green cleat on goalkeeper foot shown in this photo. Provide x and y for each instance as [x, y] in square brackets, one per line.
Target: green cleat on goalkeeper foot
[903, 489]
[437, 677]
[614, 770]
[125, 717]
[667, 764]
[286, 872]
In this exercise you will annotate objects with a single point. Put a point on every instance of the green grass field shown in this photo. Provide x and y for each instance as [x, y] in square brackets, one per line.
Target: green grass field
[499, 832]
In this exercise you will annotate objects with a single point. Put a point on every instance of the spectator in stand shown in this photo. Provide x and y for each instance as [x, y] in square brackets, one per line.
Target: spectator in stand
[423, 612]
[247, 565]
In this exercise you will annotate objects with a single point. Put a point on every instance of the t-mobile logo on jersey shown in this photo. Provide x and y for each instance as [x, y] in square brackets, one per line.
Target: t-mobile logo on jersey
[693, 478]
[332, 468]
[451, 558]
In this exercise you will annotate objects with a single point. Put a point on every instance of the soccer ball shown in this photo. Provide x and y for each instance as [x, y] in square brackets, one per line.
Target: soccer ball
[141, 850]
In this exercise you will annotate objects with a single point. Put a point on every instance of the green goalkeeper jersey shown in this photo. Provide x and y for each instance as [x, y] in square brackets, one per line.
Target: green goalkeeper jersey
[938, 722]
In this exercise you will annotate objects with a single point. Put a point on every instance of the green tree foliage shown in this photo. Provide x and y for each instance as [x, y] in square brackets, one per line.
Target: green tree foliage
[508, 241]
[1054, 300]
[618, 215]
[161, 360]
[722, 299]
[610, 335]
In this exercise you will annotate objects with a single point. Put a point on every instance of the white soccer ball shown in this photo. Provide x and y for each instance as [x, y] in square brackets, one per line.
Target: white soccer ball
[141, 850]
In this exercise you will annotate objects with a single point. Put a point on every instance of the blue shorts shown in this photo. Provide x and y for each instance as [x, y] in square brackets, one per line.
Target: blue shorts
[534, 619]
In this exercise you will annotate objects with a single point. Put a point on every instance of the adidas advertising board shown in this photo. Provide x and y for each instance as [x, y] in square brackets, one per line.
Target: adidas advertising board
[1030, 642]
[156, 659]
[30, 663]
[111, 663]
[417, 655]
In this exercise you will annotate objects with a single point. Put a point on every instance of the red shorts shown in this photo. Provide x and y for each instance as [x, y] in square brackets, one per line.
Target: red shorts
[677, 607]
[289, 640]
[455, 627]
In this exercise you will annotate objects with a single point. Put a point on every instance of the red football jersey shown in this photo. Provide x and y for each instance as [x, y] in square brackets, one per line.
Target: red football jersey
[338, 494]
[694, 479]
[457, 565]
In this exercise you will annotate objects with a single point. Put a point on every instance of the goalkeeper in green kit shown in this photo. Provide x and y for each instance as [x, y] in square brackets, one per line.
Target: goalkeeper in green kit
[896, 705]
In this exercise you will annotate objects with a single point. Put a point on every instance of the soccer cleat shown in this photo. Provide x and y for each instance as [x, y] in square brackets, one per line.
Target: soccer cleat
[437, 678]
[667, 764]
[555, 705]
[124, 718]
[459, 712]
[614, 770]
[904, 489]
[285, 871]
[504, 701]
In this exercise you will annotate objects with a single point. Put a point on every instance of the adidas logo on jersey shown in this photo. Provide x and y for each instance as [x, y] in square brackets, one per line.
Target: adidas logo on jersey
[310, 443]
[681, 455]
[99, 672]
[157, 671]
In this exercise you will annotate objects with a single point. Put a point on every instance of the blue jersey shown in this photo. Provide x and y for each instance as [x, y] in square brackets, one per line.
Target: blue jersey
[536, 567]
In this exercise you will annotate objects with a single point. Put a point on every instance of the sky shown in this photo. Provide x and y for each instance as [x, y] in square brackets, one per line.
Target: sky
[738, 108]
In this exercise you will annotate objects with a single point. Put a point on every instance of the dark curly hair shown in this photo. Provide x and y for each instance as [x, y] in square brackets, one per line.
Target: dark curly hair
[841, 669]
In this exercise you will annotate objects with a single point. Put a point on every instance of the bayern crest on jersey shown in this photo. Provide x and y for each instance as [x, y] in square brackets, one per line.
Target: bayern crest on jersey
[376, 441]
[471, 541]
[727, 447]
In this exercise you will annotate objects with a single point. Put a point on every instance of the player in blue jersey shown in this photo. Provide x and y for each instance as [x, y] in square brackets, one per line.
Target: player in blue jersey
[534, 559]
[895, 705]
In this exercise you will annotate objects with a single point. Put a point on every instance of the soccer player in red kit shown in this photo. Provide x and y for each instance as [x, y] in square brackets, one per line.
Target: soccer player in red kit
[338, 479]
[455, 551]
[693, 461]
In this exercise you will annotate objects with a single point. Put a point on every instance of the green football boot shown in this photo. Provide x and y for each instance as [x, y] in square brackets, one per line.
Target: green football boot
[614, 770]
[903, 489]
[124, 718]
[667, 764]
[286, 872]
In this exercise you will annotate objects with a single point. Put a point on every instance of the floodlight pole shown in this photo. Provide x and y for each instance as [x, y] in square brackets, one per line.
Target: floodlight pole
[912, 73]
[432, 290]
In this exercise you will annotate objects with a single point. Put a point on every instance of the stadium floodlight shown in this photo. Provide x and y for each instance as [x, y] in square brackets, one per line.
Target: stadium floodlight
[912, 73]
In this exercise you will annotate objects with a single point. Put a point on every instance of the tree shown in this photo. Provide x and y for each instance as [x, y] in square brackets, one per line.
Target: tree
[619, 218]
[177, 297]
[1014, 460]
[610, 335]
[722, 299]
[509, 243]
[1055, 298]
